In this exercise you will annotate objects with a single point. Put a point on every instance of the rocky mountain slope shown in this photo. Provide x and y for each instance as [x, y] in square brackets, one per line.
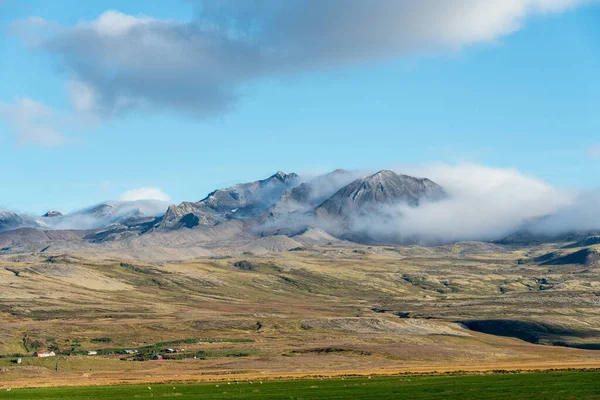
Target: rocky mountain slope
[385, 188]
[283, 205]
[11, 220]
[98, 216]
[240, 201]
[312, 193]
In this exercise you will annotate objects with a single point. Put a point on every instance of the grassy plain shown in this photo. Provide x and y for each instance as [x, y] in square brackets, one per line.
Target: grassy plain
[555, 385]
[326, 311]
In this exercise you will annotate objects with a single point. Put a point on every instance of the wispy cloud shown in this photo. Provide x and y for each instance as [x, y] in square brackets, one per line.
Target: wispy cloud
[33, 123]
[118, 62]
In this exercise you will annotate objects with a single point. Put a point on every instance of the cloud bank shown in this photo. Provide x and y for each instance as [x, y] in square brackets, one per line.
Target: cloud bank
[582, 215]
[117, 62]
[483, 203]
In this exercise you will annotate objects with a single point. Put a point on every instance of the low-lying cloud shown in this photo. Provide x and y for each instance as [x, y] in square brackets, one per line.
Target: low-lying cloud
[582, 215]
[98, 216]
[483, 204]
[107, 213]
[117, 62]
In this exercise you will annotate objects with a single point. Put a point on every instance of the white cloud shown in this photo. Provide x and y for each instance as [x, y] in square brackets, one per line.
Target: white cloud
[582, 215]
[33, 122]
[115, 24]
[120, 61]
[484, 203]
[145, 193]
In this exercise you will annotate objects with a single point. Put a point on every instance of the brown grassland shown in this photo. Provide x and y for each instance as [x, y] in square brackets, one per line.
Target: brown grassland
[322, 311]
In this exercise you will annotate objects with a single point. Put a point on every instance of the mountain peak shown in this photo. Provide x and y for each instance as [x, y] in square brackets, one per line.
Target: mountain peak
[382, 188]
[282, 176]
[338, 171]
[52, 214]
[384, 174]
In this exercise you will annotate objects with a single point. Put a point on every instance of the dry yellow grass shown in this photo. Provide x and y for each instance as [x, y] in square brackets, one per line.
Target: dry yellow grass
[326, 311]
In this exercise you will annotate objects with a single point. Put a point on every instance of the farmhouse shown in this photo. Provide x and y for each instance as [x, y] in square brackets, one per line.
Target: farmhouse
[44, 353]
[130, 351]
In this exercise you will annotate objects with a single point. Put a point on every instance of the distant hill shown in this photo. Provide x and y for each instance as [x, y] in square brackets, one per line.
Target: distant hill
[589, 241]
[585, 257]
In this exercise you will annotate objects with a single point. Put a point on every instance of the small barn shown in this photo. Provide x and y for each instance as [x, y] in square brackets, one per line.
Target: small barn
[91, 352]
[44, 353]
[157, 357]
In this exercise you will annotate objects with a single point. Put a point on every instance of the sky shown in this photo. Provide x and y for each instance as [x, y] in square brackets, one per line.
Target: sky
[147, 99]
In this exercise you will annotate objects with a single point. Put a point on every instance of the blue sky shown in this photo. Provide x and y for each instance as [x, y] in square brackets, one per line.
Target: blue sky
[526, 98]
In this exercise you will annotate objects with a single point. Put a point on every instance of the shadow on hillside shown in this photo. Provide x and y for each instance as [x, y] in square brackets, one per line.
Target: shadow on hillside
[535, 332]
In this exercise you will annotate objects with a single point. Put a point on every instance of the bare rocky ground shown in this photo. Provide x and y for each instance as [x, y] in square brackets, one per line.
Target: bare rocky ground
[321, 309]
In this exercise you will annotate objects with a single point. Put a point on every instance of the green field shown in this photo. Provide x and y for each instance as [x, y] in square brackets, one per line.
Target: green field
[551, 385]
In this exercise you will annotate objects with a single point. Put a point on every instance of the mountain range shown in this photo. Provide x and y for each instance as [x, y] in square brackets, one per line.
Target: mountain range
[281, 212]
